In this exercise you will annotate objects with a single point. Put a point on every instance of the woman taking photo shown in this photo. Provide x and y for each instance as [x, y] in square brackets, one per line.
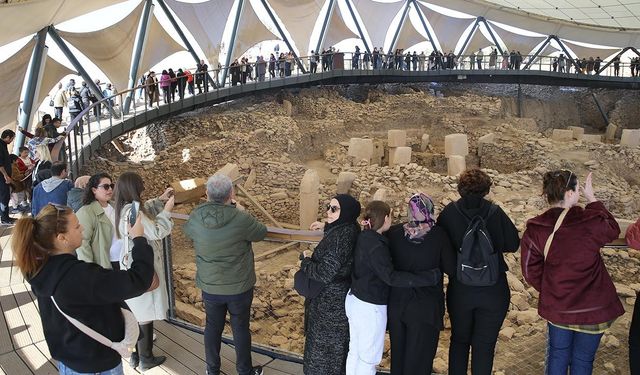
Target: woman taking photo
[476, 312]
[44, 250]
[561, 259]
[42, 170]
[99, 242]
[326, 325]
[156, 219]
[416, 314]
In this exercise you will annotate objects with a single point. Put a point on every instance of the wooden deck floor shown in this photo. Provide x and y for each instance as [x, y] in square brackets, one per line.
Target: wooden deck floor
[23, 349]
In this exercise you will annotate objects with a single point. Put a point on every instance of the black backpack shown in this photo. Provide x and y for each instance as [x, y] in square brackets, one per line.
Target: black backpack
[478, 263]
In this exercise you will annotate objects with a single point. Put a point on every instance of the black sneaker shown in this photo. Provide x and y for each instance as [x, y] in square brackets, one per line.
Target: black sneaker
[257, 370]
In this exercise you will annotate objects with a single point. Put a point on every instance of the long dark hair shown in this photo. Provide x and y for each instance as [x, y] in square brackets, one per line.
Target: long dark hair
[32, 240]
[129, 188]
[88, 197]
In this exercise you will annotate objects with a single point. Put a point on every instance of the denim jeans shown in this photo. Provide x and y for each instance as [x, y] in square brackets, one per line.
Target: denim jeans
[64, 370]
[570, 349]
[239, 308]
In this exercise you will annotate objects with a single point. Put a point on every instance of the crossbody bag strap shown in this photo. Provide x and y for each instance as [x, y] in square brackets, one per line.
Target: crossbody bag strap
[84, 328]
[547, 245]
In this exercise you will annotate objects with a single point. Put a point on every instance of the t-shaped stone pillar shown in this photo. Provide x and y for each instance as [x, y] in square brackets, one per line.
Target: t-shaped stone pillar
[309, 198]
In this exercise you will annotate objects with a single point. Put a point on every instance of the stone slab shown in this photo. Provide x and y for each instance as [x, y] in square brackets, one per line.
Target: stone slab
[424, 144]
[610, 135]
[456, 164]
[592, 138]
[630, 138]
[360, 148]
[399, 156]
[231, 170]
[396, 138]
[578, 132]
[562, 135]
[189, 191]
[487, 138]
[381, 194]
[456, 144]
[309, 198]
[344, 182]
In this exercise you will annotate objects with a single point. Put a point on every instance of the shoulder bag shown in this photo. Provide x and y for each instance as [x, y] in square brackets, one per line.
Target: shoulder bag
[547, 245]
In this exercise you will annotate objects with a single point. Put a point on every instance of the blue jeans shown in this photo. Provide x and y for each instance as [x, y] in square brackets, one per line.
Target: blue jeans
[64, 370]
[570, 349]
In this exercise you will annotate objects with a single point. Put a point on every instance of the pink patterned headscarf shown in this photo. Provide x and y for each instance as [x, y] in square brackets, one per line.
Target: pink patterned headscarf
[420, 218]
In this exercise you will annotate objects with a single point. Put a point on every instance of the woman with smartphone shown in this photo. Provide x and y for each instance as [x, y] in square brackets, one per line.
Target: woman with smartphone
[156, 219]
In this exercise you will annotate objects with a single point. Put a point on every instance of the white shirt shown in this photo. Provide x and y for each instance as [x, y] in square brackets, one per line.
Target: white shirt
[116, 243]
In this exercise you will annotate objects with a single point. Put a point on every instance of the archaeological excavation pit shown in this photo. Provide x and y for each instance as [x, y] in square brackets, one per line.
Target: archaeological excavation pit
[387, 142]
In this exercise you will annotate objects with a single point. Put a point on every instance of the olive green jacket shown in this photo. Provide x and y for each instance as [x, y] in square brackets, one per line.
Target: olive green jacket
[97, 234]
[222, 237]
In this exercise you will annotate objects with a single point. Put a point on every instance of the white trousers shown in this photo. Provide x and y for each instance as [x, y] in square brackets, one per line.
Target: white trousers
[367, 325]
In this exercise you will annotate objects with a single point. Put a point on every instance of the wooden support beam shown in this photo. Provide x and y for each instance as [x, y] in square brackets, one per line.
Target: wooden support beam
[258, 206]
[275, 251]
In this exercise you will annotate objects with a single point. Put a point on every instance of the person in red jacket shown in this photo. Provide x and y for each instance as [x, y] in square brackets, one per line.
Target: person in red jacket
[633, 241]
[561, 259]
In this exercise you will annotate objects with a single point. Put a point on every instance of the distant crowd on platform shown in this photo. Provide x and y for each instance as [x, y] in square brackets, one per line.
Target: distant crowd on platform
[96, 266]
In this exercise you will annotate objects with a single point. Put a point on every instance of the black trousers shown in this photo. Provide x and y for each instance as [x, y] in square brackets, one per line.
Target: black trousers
[413, 345]
[634, 339]
[5, 196]
[476, 315]
[239, 311]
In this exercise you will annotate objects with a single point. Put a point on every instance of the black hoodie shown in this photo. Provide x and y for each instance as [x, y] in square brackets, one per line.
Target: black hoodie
[93, 295]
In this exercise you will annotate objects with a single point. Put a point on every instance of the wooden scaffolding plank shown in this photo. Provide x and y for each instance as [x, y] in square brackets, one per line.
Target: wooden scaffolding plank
[172, 365]
[6, 345]
[6, 257]
[17, 327]
[11, 363]
[29, 312]
[36, 361]
[283, 367]
[182, 355]
[44, 349]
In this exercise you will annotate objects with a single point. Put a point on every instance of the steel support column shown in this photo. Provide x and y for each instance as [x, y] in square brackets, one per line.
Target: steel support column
[538, 52]
[495, 40]
[353, 15]
[232, 43]
[325, 23]
[403, 19]
[184, 39]
[76, 64]
[602, 112]
[424, 24]
[138, 50]
[34, 74]
[573, 61]
[466, 41]
[284, 38]
[625, 49]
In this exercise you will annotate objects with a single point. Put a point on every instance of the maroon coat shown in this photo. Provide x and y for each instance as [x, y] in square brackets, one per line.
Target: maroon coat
[574, 285]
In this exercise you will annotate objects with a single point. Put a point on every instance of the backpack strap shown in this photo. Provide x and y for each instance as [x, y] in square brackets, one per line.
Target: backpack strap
[547, 245]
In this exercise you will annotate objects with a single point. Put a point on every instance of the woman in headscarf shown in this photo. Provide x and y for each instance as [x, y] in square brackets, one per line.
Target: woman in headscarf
[415, 315]
[326, 324]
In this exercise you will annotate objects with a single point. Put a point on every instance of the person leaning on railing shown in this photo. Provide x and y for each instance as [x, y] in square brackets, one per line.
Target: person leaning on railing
[44, 251]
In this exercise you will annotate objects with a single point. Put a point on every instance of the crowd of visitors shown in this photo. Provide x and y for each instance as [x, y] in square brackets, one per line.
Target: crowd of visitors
[362, 278]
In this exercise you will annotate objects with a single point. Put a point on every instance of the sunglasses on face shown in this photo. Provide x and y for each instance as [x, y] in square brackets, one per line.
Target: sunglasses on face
[106, 186]
[333, 209]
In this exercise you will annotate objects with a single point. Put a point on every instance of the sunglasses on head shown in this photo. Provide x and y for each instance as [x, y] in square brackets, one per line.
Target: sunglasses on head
[106, 186]
[333, 209]
[59, 208]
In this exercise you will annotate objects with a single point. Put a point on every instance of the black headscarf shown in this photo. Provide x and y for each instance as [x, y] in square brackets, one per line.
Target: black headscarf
[349, 211]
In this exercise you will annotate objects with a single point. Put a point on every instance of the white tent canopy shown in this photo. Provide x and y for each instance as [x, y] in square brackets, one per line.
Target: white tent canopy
[586, 52]
[448, 29]
[251, 31]
[206, 22]
[111, 48]
[516, 42]
[377, 18]
[26, 18]
[53, 73]
[12, 73]
[409, 35]
[337, 29]
[298, 17]
[478, 40]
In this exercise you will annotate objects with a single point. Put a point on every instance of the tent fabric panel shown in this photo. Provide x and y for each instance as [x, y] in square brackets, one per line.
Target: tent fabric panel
[251, 31]
[477, 41]
[110, 48]
[377, 18]
[524, 44]
[12, 72]
[159, 45]
[586, 52]
[42, 13]
[448, 29]
[409, 36]
[206, 22]
[337, 29]
[298, 17]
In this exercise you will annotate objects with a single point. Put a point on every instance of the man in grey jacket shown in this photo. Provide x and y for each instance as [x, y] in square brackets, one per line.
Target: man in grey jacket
[222, 233]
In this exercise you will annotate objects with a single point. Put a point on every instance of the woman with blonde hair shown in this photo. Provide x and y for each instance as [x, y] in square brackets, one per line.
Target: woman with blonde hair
[156, 219]
[44, 251]
[42, 170]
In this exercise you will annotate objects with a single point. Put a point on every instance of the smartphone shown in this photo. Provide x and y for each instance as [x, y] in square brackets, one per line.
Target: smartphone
[170, 193]
[133, 214]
